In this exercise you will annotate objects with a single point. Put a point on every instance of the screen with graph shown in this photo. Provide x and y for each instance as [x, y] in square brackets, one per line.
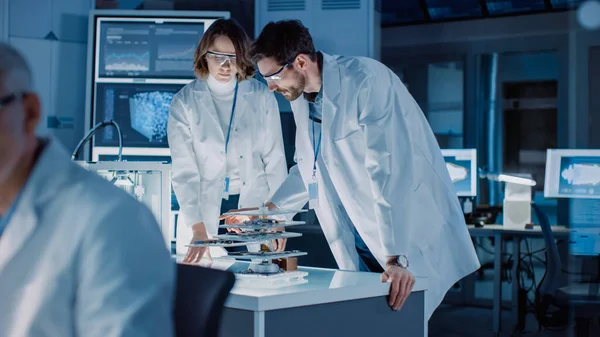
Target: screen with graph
[462, 167]
[148, 50]
[139, 61]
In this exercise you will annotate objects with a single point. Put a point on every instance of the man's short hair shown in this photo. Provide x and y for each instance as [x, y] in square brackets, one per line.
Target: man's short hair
[234, 31]
[283, 41]
[15, 73]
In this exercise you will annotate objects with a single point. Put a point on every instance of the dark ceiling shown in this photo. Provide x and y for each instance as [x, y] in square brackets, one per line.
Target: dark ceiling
[394, 12]
[409, 12]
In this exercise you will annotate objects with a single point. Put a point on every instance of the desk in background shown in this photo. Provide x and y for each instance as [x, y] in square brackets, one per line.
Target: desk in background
[499, 233]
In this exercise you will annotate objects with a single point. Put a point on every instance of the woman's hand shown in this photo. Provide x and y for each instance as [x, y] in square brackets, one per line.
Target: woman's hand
[195, 254]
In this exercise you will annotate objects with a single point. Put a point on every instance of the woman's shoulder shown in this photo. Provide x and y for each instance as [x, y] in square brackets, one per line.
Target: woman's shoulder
[186, 90]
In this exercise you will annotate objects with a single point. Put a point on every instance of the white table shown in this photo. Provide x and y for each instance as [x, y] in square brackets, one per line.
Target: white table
[332, 303]
[499, 232]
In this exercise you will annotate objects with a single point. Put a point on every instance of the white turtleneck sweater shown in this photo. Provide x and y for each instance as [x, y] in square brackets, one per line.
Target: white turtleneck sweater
[222, 95]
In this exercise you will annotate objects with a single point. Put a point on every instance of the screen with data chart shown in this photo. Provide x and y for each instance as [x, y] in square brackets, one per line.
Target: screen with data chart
[462, 166]
[139, 61]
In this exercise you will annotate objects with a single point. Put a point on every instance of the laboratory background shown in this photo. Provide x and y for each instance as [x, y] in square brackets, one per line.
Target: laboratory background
[510, 89]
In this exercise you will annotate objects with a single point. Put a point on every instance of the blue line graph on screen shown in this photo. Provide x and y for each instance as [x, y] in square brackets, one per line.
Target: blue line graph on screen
[580, 176]
[170, 51]
[149, 113]
[127, 59]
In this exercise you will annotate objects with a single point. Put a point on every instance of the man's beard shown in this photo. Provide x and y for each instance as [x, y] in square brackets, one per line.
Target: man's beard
[292, 93]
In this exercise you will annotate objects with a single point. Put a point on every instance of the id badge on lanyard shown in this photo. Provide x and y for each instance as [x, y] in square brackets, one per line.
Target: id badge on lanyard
[226, 188]
[313, 188]
[313, 193]
[227, 180]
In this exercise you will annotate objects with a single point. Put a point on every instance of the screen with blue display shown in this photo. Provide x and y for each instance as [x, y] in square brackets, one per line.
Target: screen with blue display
[148, 49]
[502, 7]
[460, 173]
[461, 164]
[141, 110]
[564, 4]
[580, 176]
[449, 9]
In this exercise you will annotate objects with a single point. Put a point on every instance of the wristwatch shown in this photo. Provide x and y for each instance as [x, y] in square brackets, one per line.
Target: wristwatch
[401, 261]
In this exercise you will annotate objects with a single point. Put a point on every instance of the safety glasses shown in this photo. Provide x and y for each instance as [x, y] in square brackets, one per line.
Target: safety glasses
[221, 58]
[276, 76]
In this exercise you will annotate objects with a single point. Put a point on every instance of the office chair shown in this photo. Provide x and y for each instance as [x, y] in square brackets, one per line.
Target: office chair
[581, 300]
[554, 278]
[199, 300]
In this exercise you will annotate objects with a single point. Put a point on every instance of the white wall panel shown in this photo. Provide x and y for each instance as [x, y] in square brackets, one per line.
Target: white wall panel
[30, 18]
[68, 89]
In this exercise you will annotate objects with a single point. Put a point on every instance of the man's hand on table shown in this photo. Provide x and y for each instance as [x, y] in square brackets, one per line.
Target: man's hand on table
[402, 282]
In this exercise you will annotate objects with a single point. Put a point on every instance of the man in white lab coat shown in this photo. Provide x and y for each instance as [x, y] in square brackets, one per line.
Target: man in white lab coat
[78, 256]
[369, 164]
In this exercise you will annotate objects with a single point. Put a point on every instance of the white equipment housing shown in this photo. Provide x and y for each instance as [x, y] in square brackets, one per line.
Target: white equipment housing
[148, 182]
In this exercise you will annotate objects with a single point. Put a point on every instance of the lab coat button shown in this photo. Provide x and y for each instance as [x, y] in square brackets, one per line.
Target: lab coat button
[244, 183]
[241, 157]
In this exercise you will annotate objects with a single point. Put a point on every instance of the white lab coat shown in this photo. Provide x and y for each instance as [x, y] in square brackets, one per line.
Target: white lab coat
[80, 257]
[197, 144]
[387, 168]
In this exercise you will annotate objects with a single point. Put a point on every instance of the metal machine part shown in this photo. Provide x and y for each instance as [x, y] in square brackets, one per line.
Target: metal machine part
[257, 237]
[217, 243]
[264, 212]
[263, 268]
[264, 255]
[263, 224]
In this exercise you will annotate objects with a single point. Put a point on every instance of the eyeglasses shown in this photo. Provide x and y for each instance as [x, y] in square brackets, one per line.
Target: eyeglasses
[221, 58]
[8, 99]
[276, 76]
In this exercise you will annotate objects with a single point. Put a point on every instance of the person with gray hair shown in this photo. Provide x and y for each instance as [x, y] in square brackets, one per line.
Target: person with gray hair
[78, 256]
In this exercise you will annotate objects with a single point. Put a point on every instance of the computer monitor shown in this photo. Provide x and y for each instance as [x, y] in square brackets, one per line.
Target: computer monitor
[575, 174]
[572, 174]
[449, 9]
[137, 62]
[462, 166]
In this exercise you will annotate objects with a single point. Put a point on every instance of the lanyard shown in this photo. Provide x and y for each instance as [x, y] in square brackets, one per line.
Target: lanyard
[231, 118]
[318, 146]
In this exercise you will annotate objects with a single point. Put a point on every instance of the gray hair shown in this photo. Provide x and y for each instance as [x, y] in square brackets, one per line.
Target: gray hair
[15, 74]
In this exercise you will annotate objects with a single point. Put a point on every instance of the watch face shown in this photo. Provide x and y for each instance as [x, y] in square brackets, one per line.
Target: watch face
[403, 261]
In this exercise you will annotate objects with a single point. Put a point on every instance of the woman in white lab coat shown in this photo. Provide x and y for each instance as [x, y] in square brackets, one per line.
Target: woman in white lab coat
[225, 137]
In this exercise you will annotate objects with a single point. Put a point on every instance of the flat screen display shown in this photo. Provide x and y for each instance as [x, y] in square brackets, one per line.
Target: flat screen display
[449, 9]
[462, 167]
[505, 7]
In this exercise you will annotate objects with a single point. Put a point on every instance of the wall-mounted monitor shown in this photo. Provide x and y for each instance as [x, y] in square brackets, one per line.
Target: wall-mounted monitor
[462, 166]
[450, 9]
[137, 61]
[565, 4]
[573, 174]
[505, 7]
